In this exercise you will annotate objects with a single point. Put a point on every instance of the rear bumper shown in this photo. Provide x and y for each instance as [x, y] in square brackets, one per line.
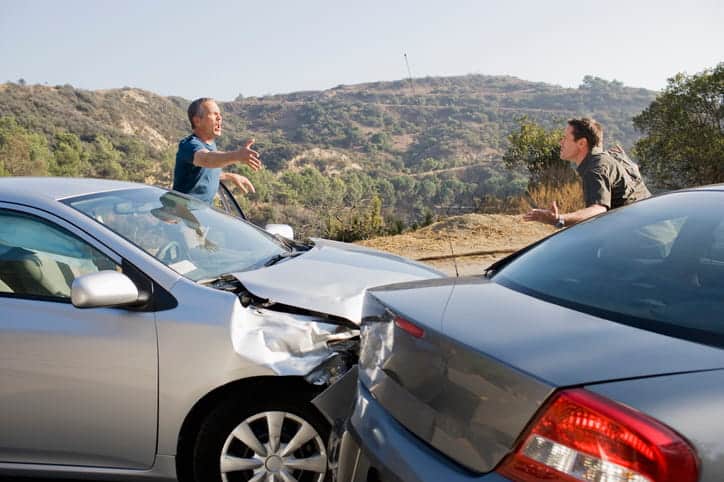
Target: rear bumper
[376, 448]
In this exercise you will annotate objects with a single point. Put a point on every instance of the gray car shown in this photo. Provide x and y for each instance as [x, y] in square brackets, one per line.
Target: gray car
[144, 334]
[596, 354]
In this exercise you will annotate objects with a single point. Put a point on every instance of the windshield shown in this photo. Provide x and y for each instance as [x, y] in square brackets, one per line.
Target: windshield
[657, 265]
[185, 234]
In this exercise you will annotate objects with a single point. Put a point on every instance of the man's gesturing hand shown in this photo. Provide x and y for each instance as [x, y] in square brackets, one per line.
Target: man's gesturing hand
[249, 157]
[548, 216]
[239, 181]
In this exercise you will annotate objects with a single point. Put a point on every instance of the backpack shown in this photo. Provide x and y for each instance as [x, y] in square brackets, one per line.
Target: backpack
[631, 168]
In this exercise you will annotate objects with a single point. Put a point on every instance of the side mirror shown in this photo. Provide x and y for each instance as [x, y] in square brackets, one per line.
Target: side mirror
[281, 229]
[103, 289]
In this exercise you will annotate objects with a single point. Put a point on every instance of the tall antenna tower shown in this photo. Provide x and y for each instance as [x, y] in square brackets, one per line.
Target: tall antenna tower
[409, 74]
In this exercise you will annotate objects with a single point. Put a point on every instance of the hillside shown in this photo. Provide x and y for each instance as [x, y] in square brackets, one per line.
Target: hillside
[452, 121]
[403, 151]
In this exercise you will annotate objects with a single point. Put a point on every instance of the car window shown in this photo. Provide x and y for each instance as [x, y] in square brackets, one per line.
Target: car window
[658, 265]
[716, 252]
[40, 259]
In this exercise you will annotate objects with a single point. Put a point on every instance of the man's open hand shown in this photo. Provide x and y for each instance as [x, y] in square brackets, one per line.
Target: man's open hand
[239, 181]
[547, 216]
[249, 157]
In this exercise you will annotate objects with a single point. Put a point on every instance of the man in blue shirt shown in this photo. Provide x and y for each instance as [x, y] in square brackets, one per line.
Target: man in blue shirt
[198, 162]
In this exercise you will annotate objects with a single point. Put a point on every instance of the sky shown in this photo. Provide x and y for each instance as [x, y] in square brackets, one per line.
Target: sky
[226, 48]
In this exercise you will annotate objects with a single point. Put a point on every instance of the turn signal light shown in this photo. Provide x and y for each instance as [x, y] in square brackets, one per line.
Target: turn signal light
[582, 436]
[409, 327]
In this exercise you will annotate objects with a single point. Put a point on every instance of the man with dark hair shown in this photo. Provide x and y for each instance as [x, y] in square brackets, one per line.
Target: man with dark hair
[198, 162]
[610, 179]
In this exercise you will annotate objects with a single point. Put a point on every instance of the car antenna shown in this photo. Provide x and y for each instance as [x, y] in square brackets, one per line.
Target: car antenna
[455, 262]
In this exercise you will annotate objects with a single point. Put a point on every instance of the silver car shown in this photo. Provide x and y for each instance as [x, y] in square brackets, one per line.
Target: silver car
[144, 334]
[594, 355]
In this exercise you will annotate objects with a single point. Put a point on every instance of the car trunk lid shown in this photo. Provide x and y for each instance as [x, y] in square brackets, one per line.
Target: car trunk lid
[491, 356]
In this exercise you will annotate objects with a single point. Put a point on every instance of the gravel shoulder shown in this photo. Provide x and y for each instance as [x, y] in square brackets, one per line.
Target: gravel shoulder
[476, 240]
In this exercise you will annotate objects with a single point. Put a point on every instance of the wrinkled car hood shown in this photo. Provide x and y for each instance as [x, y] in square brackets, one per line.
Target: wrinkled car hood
[332, 277]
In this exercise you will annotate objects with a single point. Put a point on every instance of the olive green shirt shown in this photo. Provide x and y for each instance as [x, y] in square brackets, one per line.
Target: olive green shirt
[610, 182]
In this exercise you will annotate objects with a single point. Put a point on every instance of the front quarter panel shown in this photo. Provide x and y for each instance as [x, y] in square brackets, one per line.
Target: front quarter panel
[195, 355]
[689, 403]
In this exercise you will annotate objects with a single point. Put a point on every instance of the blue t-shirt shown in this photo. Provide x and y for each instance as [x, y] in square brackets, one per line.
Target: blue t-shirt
[200, 182]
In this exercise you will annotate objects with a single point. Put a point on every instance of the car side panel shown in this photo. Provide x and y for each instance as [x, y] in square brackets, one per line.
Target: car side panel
[164, 469]
[691, 403]
[196, 355]
[77, 387]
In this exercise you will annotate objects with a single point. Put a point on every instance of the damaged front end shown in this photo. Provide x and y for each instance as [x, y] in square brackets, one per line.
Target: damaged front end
[300, 314]
[291, 341]
[300, 317]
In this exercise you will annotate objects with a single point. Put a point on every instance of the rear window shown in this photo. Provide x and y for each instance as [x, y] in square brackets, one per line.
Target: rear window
[656, 265]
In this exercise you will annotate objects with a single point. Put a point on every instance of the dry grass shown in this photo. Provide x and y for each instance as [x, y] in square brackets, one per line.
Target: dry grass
[466, 233]
[568, 197]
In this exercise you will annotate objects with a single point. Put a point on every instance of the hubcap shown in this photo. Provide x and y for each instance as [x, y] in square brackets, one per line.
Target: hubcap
[273, 447]
[274, 463]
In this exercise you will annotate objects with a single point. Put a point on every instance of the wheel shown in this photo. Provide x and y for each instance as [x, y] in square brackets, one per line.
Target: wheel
[281, 441]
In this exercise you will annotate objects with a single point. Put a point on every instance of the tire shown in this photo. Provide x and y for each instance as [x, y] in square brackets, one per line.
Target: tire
[233, 444]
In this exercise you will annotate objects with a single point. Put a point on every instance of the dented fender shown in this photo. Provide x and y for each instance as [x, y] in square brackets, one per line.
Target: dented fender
[294, 344]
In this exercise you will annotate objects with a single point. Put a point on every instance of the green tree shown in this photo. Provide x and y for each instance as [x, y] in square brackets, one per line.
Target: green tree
[71, 158]
[134, 159]
[353, 224]
[683, 143]
[105, 159]
[537, 149]
[386, 191]
[381, 140]
[22, 152]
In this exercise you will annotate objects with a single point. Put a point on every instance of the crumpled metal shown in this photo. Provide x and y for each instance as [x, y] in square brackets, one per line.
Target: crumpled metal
[288, 344]
[331, 278]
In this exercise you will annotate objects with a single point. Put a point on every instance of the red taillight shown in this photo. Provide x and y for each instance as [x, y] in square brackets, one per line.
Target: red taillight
[582, 436]
[408, 327]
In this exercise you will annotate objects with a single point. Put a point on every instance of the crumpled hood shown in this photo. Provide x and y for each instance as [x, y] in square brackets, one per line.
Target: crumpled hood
[332, 277]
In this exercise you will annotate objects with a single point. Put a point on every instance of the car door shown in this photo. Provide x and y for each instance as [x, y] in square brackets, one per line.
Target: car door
[77, 386]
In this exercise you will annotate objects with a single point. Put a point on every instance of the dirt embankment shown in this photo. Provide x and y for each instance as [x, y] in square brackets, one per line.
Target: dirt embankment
[477, 240]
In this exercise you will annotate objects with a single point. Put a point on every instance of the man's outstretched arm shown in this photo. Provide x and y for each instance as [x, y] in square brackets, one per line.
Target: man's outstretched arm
[551, 216]
[245, 155]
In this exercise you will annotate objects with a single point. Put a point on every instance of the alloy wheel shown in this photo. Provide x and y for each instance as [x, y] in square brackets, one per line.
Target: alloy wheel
[273, 446]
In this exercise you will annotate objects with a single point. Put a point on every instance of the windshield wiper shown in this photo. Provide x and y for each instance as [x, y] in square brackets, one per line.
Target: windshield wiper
[294, 244]
[278, 257]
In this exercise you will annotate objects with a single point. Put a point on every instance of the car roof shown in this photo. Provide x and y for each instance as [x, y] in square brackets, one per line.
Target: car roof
[710, 187]
[43, 189]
